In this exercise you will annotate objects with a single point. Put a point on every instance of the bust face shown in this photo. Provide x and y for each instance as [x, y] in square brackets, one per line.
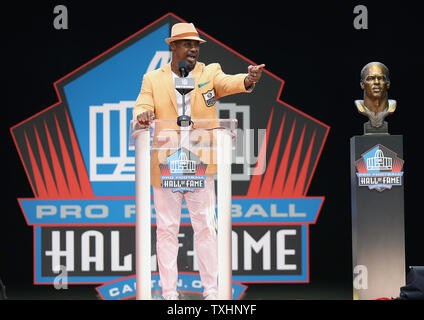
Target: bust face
[375, 82]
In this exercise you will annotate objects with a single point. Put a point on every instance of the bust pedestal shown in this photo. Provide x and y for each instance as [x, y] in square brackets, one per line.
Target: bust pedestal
[378, 238]
[368, 129]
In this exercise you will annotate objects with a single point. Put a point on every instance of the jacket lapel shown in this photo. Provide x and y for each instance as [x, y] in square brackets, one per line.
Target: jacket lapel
[168, 81]
[193, 95]
[197, 72]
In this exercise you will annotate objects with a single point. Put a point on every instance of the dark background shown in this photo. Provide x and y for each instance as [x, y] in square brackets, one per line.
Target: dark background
[312, 46]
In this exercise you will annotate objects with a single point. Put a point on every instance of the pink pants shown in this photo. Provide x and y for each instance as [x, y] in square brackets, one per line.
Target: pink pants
[168, 215]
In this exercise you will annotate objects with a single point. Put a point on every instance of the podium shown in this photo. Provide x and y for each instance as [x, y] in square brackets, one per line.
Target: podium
[378, 236]
[181, 157]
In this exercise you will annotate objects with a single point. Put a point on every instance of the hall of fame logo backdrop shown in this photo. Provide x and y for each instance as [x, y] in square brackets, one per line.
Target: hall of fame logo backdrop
[81, 169]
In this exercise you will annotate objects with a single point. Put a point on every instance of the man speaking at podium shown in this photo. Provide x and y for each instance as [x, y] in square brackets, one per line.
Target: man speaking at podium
[158, 99]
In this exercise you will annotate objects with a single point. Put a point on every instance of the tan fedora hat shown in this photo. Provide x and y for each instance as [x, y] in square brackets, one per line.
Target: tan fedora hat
[182, 31]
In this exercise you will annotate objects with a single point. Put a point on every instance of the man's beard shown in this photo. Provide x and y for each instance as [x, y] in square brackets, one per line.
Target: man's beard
[190, 66]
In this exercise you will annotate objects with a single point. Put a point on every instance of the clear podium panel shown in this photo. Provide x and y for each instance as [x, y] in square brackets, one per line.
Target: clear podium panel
[184, 161]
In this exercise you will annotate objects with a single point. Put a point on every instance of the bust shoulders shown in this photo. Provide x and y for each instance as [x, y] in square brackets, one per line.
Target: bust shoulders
[364, 110]
[376, 119]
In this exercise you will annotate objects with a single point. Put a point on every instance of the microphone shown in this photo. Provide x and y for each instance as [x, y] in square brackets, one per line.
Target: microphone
[182, 68]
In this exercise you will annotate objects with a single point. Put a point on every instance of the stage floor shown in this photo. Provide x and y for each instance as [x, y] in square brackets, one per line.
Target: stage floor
[296, 291]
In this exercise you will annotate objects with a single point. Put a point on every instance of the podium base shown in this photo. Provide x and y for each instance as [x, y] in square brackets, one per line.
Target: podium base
[184, 121]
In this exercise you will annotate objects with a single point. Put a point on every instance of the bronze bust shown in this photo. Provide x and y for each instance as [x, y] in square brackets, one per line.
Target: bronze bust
[376, 106]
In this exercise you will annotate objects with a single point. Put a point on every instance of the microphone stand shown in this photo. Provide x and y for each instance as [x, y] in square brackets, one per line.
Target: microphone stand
[185, 85]
[184, 120]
